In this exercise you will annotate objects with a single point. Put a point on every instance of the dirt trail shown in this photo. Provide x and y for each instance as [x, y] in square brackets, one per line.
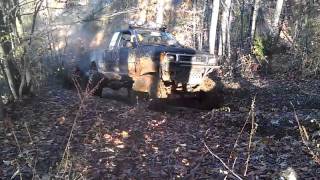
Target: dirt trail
[116, 140]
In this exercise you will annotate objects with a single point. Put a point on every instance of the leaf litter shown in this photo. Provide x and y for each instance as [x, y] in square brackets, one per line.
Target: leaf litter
[117, 140]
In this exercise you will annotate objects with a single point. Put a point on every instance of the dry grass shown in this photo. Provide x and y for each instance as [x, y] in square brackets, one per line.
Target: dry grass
[305, 138]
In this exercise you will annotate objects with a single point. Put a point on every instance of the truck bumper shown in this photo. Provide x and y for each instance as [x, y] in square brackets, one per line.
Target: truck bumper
[187, 74]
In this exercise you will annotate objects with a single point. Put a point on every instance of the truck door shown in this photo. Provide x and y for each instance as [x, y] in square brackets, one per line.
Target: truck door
[125, 49]
[112, 54]
[120, 56]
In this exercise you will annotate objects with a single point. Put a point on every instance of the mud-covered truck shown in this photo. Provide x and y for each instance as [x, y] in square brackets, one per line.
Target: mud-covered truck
[156, 63]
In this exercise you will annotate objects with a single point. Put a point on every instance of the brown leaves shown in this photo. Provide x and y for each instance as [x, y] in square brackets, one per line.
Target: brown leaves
[124, 134]
[7, 123]
[112, 139]
[61, 120]
[107, 137]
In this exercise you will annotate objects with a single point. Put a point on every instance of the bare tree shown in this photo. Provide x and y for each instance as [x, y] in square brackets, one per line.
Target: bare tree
[194, 23]
[6, 47]
[26, 72]
[242, 24]
[1, 109]
[276, 18]
[202, 24]
[213, 25]
[225, 23]
[277, 13]
[8, 74]
[142, 15]
[160, 12]
[254, 20]
[228, 43]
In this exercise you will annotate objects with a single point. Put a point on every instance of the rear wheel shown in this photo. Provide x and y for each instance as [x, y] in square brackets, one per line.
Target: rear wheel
[96, 83]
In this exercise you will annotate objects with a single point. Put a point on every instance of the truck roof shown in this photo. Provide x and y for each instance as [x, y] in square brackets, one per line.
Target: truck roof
[141, 28]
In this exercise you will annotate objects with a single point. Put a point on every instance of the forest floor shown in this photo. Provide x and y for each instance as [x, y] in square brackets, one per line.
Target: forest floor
[112, 139]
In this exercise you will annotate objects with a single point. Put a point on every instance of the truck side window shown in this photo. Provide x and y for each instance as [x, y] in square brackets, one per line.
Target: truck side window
[125, 40]
[114, 40]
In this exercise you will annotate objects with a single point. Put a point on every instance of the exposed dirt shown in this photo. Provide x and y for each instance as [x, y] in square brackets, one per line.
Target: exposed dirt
[114, 139]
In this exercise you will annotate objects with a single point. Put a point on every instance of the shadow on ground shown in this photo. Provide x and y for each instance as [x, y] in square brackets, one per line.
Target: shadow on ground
[113, 139]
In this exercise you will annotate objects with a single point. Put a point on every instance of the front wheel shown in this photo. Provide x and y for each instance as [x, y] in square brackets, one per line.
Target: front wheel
[152, 85]
[208, 85]
[158, 90]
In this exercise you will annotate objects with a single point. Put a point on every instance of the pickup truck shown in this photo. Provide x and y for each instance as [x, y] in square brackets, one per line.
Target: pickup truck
[156, 63]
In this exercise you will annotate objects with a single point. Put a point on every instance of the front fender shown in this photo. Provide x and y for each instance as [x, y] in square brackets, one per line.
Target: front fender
[147, 66]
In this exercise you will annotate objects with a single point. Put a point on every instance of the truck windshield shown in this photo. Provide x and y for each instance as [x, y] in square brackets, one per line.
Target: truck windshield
[156, 37]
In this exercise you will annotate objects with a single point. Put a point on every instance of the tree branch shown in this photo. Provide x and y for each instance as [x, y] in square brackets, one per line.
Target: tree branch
[222, 162]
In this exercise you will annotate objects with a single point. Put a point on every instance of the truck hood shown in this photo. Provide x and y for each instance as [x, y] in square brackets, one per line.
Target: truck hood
[180, 50]
[157, 49]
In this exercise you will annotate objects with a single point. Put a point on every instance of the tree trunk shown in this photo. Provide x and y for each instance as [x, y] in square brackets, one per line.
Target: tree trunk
[254, 20]
[213, 25]
[142, 16]
[228, 41]
[8, 74]
[242, 26]
[220, 48]
[1, 110]
[277, 14]
[5, 49]
[26, 67]
[224, 26]
[160, 12]
[10, 79]
[23, 78]
[202, 26]
[194, 26]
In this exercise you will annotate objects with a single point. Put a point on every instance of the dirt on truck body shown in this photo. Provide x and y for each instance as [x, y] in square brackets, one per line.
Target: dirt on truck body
[152, 61]
[157, 63]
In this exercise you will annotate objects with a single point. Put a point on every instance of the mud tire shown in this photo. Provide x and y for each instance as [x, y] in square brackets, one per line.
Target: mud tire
[208, 85]
[159, 90]
[96, 83]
